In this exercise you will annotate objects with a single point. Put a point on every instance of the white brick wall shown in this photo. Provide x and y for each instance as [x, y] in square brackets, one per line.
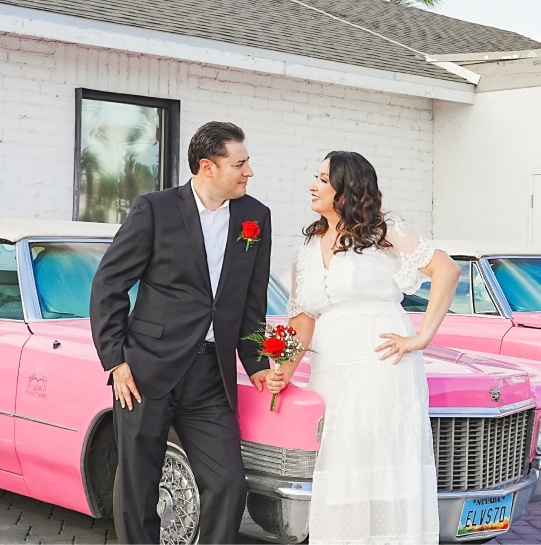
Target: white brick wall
[486, 158]
[290, 125]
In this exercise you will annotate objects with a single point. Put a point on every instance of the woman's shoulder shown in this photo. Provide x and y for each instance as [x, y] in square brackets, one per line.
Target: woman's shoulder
[393, 218]
[304, 245]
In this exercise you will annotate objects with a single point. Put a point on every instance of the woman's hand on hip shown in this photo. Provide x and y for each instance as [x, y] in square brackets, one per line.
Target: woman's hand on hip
[397, 346]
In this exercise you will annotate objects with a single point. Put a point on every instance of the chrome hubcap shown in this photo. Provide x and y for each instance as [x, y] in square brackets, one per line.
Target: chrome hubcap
[178, 505]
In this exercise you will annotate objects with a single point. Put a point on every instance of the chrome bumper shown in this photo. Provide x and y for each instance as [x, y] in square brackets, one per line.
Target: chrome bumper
[450, 506]
[277, 510]
[536, 466]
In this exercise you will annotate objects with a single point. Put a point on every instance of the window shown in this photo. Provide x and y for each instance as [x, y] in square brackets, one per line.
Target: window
[520, 281]
[462, 303]
[470, 281]
[482, 302]
[125, 146]
[63, 274]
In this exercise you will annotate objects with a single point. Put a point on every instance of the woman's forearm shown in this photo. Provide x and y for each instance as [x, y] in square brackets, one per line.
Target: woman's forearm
[444, 273]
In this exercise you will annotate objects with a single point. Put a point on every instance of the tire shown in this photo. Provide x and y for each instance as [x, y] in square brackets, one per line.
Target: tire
[179, 507]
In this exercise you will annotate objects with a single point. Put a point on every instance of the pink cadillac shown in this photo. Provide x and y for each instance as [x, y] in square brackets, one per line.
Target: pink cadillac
[56, 438]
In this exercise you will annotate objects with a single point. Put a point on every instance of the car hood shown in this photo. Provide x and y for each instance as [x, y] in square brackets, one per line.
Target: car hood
[528, 319]
[462, 379]
[457, 379]
[531, 367]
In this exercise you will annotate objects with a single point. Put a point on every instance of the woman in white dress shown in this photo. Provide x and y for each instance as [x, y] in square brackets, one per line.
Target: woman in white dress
[375, 478]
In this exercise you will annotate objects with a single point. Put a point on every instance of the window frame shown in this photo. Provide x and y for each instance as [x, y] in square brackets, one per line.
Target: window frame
[171, 135]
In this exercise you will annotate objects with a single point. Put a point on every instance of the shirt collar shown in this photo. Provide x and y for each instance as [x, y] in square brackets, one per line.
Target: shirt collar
[201, 207]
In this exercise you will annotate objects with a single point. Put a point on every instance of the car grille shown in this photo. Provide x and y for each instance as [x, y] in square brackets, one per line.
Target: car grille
[478, 453]
[283, 462]
[471, 453]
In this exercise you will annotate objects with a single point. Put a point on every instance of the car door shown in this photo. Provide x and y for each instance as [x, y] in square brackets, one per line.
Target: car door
[13, 336]
[473, 320]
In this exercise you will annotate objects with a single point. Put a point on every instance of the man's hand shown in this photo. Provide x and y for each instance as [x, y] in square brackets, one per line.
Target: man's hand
[259, 378]
[124, 386]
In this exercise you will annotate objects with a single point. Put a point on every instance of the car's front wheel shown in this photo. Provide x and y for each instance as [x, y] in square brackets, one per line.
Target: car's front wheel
[178, 504]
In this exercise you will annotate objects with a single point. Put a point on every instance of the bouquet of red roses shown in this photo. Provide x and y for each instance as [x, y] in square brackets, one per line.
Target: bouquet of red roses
[278, 343]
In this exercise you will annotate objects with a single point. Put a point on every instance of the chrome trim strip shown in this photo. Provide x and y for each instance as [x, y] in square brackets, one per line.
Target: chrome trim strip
[474, 266]
[279, 487]
[482, 412]
[299, 491]
[511, 486]
[37, 420]
[29, 294]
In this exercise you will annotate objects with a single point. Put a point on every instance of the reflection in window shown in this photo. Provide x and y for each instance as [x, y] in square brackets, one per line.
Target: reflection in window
[482, 302]
[123, 151]
[461, 303]
[63, 274]
[520, 281]
[276, 298]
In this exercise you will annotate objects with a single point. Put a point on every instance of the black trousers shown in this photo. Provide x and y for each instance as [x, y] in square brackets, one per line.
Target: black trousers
[199, 411]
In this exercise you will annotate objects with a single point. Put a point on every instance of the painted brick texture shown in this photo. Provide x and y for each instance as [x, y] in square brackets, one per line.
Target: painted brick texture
[290, 125]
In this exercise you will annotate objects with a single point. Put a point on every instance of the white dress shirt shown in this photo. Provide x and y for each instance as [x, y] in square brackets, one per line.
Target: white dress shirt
[215, 226]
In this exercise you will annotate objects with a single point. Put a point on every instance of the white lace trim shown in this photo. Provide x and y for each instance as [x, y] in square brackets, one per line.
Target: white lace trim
[296, 304]
[409, 278]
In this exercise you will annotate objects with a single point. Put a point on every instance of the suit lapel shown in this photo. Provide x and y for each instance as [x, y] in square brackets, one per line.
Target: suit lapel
[236, 213]
[190, 215]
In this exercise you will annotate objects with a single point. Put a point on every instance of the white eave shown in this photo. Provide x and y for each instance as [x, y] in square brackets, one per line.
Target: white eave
[68, 29]
[488, 56]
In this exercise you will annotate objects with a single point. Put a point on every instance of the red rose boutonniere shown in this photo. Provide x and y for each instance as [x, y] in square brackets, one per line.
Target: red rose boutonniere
[250, 232]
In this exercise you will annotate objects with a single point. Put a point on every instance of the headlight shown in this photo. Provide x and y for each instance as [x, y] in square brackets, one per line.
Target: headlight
[538, 445]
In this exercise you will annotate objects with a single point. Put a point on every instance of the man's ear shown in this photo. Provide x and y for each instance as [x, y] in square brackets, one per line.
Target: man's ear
[206, 167]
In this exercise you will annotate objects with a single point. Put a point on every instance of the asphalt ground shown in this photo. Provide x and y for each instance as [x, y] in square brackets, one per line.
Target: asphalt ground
[24, 521]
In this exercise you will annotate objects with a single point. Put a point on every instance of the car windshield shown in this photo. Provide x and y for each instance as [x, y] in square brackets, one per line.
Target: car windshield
[63, 273]
[520, 280]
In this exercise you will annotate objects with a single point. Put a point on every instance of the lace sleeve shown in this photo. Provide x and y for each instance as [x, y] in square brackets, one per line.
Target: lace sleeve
[295, 305]
[413, 252]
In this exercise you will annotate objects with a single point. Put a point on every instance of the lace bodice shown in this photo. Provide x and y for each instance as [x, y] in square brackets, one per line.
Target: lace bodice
[374, 275]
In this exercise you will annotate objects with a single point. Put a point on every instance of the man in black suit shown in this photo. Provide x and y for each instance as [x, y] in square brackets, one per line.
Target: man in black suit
[202, 287]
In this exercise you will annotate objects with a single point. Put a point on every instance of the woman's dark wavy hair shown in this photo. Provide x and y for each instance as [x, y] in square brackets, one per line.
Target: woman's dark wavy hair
[357, 203]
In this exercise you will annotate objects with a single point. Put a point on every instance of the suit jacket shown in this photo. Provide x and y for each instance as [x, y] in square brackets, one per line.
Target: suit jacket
[161, 245]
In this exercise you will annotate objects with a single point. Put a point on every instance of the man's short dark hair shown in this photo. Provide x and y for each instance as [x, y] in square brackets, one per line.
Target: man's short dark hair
[209, 142]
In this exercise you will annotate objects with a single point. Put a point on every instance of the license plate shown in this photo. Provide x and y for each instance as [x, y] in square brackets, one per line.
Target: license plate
[485, 515]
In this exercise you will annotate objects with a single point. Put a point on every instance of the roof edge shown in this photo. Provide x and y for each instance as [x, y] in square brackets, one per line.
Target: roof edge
[486, 56]
[68, 29]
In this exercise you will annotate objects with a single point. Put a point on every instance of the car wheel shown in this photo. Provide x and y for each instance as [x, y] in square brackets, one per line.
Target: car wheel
[178, 504]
